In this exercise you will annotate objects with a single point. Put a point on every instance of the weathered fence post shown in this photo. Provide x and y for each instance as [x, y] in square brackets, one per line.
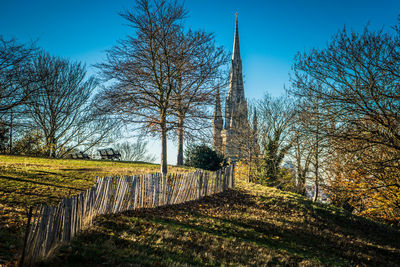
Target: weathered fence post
[28, 225]
[200, 181]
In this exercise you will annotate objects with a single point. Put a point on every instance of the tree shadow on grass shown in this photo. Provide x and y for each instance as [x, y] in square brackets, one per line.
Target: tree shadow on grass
[39, 183]
[97, 247]
[218, 230]
[83, 170]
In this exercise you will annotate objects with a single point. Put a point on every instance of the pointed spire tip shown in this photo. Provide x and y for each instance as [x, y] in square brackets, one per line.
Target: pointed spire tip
[236, 47]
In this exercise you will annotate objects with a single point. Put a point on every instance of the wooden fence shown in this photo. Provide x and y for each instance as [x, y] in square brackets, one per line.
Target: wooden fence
[53, 225]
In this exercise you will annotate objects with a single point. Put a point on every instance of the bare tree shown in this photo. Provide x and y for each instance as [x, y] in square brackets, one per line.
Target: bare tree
[157, 69]
[302, 155]
[311, 147]
[356, 81]
[199, 76]
[135, 151]
[60, 106]
[275, 125]
[14, 77]
[14, 81]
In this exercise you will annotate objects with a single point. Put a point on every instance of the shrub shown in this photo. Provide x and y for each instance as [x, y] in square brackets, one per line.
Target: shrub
[31, 144]
[203, 157]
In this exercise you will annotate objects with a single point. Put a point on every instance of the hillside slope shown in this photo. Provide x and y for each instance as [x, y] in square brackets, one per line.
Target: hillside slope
[30, 181]
[251, 225]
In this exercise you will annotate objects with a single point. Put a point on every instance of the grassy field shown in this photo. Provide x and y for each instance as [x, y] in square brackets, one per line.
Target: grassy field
[251, 225]
[26, 181]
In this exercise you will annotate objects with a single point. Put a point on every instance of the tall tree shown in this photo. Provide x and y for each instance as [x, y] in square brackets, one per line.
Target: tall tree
[160, 72]
[143, 70]
[60, 106]
[316, 148]
[301, 153]
[199, 76]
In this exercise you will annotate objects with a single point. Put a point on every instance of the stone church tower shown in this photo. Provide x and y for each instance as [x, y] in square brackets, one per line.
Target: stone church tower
[226, 136]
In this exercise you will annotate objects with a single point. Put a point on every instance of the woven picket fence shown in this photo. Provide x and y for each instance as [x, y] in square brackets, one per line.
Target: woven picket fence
[50, 226]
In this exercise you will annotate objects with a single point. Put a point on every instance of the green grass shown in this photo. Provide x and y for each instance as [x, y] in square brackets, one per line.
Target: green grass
[250, 225]
[30, 181]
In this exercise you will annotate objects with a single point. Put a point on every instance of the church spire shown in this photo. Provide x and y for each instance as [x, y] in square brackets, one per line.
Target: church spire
[235, 96]
[236, 46]
[217, 119]
[229, 130]
[218, 124]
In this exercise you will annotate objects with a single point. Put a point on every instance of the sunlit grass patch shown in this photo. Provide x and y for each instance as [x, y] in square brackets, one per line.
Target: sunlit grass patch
[30, 181]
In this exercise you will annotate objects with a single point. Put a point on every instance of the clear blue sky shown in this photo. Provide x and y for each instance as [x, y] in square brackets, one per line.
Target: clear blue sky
[271, 32]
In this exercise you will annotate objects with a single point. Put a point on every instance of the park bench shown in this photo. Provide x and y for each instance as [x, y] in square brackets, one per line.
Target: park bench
[109, 153]
[79, 155]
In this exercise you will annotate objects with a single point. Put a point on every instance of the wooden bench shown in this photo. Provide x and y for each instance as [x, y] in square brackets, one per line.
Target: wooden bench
[79, 155]
[109, 153]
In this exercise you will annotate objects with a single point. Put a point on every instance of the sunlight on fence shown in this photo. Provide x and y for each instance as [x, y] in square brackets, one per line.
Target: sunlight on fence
[53, 225]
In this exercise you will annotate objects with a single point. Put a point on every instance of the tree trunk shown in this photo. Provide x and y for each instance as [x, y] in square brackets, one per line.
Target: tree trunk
[316, 188]
[249, 174]
[11, 132]
[316, 182]
[163, 150]
[52, 147]
[179, 160]
[317, 159]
